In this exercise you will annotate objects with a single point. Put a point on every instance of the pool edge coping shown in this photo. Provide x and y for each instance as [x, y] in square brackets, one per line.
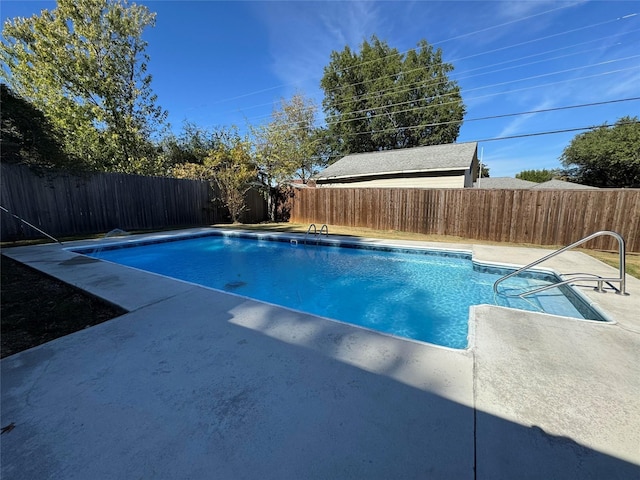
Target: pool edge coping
[69, 248]
[403, 246]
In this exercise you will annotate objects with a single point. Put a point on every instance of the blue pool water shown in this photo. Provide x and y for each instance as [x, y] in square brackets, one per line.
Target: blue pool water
[423, 295]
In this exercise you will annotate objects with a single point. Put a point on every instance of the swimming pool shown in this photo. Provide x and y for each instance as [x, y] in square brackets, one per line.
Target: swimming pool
[408, 292]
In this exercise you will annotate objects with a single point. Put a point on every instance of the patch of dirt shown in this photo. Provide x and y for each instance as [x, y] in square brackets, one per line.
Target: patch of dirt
[36, 308]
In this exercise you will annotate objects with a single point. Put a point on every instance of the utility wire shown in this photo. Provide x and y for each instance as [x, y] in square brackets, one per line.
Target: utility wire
[480, 68]
[551, 132]
[600, 39]
[530, 112]
[413, 101]
[452, 102]
[406, 88]
[400, 88]
[504, 48]
[413, 127]
[493, 117]
[526, 135]
[437, 43]
[507, 92]
[368, 116]
[457, 37]
[460, 36]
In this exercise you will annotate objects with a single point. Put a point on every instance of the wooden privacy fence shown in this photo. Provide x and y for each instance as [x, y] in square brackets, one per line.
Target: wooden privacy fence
[540, 217]
[64, 205]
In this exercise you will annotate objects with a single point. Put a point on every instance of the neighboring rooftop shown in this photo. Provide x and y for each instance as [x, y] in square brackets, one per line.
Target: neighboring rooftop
[503, 182]
[556, 184]
[516, 183]
[453, 156]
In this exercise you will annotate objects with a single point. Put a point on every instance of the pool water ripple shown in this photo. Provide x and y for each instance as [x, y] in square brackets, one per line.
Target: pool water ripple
[423, 295]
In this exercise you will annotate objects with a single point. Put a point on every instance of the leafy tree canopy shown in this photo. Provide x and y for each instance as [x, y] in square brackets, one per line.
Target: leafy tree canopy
[289, 147]
[538, 176]
[227, 162]
[607, 156]
[379, 99]
[191, 145]
[84, 65]
[26, 135]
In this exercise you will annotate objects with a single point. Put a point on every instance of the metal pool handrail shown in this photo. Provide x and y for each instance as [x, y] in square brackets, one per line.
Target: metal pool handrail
[30, 225]
[324, 229]
[600, 280]
[315, 232]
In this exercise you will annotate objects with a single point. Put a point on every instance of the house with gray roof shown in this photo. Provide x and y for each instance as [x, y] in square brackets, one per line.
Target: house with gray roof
[452, 165]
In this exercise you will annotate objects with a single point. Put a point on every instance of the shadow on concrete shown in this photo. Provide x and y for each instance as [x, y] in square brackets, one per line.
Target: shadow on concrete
[210, 385]
[502, 449]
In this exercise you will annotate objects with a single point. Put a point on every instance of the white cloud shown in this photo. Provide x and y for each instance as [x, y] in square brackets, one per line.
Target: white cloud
[303, 34]
[510, 10]
[625, 84]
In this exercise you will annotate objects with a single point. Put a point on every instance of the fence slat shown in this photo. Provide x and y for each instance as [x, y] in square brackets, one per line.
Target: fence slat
[66, 205]
[541, 217]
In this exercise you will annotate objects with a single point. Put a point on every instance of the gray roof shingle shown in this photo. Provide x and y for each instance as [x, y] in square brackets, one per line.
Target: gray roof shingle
[503, 182]
[562, 185]
[511, 183]
[453, 156]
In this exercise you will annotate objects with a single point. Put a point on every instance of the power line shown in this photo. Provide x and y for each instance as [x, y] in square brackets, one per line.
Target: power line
[546, 37]
[551, 132]
[554, 109]
[437, 43]
[492, 117]
[530, 112]
[408, 102]
[405, 88]
[395, 88]
[399, 88]
[457, 37]
[416, 108]
[366, 117]
[486, 73]
[537, 134]
[496, 49]
[462, 36]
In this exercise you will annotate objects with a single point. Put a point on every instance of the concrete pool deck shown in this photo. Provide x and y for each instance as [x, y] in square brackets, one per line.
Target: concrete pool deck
[196, 383]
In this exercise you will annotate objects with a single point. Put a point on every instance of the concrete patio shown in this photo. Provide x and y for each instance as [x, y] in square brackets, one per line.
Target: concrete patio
[196, 383]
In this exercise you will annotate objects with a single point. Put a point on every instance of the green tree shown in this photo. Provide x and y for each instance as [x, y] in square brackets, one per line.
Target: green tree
[538, 176]
[484, 170]
[288, 147]
[228, 164]
[268, 141]
[84, 65]
[296, 120]
[607, 156]
[235, 173]
[380, 99]
[26, 135]
[192, 145]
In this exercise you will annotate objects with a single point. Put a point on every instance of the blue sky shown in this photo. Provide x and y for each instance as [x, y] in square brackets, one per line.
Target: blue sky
[218, 63]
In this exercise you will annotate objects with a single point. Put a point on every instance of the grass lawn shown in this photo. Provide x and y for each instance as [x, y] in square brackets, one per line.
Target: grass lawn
[36, 308]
